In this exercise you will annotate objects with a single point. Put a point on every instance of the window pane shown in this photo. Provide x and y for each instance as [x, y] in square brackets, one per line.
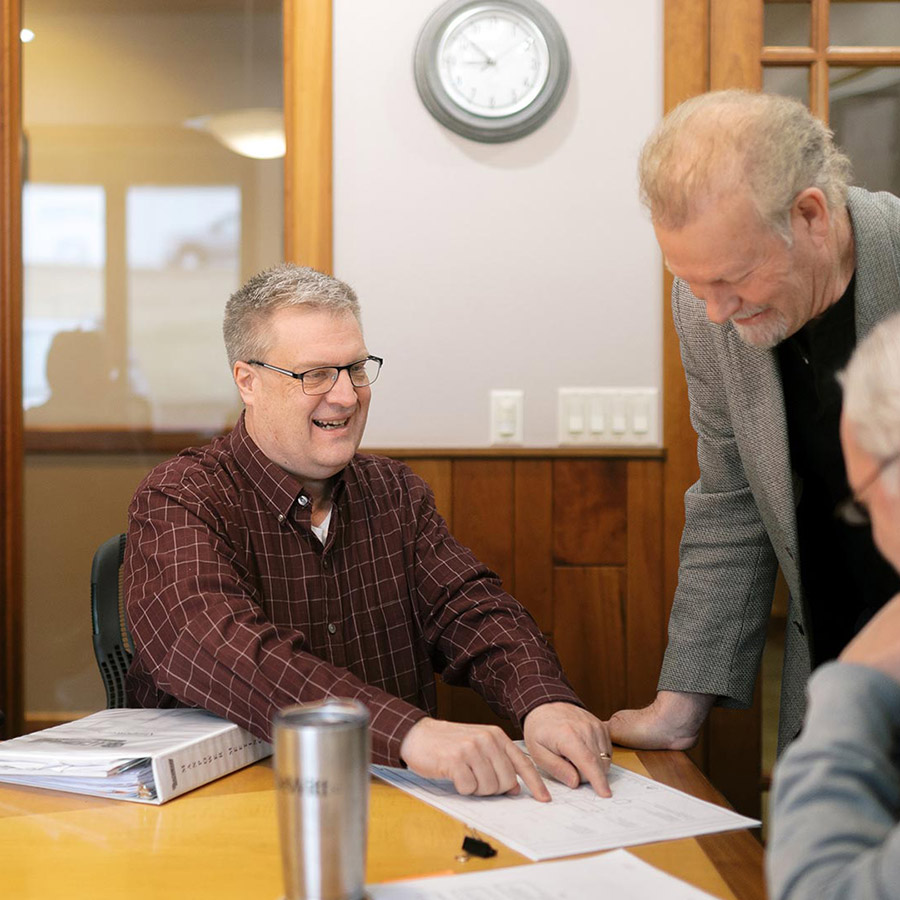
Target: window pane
[865, 116]
[184, 246]
[143, 104]
[786, 24]
[63, 256]
[864, 24]
[791, 81]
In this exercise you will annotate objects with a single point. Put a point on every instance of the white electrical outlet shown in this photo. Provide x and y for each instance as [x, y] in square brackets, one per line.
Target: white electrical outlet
[507, 413]
[608, 417]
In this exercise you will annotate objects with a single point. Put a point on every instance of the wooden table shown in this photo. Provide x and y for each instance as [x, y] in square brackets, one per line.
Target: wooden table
[221, 841]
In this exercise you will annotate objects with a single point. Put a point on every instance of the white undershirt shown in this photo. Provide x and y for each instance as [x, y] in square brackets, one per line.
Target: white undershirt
[321, 531]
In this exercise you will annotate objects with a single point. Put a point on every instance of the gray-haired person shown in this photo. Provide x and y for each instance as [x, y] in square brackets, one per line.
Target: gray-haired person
[836, 810]
[780, 267]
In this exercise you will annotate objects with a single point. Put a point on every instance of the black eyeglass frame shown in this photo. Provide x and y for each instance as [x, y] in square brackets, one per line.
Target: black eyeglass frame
[851, 509]
[299, 376]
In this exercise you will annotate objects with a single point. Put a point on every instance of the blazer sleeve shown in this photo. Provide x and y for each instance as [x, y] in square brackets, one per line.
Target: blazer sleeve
[837, 791]
[727, 566]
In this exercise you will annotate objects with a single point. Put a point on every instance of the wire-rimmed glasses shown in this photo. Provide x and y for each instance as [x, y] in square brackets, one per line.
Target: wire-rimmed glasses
[322, 379]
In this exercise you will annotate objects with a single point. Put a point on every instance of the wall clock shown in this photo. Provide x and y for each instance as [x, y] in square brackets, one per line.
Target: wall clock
[491, 70]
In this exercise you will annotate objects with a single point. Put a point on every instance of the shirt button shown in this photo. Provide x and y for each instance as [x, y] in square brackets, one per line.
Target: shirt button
[332, 628]
[303, 500]
[280, 517]
[326, 564]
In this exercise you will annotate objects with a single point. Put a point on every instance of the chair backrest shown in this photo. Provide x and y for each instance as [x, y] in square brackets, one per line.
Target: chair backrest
[113, 646]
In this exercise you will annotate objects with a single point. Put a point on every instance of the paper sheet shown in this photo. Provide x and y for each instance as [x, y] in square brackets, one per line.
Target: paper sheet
[577, 820]
[620, 874]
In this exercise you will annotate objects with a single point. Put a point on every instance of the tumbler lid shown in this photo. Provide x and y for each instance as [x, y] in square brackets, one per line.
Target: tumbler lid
[334, 712]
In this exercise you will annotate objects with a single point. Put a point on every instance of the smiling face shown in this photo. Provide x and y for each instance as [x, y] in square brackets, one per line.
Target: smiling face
[744, 272]
[876, 491]
[311, 437]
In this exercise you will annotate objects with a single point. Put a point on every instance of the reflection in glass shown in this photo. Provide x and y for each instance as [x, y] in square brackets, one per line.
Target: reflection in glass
[790, 81]
[184, 261]
[109, 92]
[865, 116]
[786, 24]
[864, 24]
[63, 257]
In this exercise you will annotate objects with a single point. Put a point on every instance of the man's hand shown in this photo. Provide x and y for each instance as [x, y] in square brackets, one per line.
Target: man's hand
[570, 744]
[878, 644]
[478, 759]
[671, 722]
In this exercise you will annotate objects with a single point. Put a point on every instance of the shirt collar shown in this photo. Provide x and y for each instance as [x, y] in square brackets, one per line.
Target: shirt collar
[280, 489]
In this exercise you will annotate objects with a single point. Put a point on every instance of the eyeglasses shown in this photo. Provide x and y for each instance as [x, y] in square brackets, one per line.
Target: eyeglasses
[322, 379]
[852, 510]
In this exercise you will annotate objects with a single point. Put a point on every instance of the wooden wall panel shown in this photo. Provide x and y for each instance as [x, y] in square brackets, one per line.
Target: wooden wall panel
[439, 475]
[735, 42]
[589, 510]
[646, 608]
[533, 539]
[590, 634]
[483, 513]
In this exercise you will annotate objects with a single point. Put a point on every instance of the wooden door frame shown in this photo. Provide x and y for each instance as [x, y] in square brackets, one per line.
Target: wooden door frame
[11, 435]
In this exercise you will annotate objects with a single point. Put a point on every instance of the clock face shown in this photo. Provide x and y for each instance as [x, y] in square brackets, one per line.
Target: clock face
[491, 70]
[493, 62]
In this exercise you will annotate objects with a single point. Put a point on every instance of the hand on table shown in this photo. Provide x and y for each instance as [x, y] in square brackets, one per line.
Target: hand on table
[478, 759]
[671, 722]
[570, 744]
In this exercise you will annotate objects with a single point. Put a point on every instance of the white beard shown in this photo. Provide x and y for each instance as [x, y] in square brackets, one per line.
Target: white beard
[765, 334]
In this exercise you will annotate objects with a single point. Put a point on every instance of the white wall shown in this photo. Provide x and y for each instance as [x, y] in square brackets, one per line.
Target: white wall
[522, 265]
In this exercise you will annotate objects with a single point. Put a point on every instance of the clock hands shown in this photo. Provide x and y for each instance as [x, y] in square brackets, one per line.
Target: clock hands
[519, 45]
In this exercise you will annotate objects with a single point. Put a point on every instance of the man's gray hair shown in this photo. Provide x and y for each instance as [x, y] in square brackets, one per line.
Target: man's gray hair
[249, 308]
[871, 385]
[708, 145]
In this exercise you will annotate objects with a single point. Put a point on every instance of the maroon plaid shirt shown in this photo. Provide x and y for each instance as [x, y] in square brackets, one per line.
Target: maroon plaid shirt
[235, 606]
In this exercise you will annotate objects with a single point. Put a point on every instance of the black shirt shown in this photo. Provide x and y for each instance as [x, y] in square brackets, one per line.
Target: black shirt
[845, 579]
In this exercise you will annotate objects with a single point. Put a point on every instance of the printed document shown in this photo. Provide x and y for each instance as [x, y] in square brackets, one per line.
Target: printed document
[617, 874]
[640, 811]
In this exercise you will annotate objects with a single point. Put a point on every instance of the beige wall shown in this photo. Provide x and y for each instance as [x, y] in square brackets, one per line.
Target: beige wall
[73, 505]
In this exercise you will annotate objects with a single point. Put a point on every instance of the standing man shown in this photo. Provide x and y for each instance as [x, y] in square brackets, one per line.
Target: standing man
[780, 268]
[836, 792]
[276, 566]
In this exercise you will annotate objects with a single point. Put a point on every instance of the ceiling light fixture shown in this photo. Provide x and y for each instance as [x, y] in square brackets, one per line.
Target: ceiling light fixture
[254, 131]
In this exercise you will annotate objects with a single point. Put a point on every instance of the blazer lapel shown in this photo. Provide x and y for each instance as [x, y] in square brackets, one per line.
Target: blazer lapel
[761, 434]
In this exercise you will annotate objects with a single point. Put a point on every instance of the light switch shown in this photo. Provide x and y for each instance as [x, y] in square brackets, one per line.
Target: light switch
[507, 413]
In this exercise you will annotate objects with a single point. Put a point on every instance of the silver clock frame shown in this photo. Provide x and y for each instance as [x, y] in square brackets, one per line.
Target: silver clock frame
[490, 129]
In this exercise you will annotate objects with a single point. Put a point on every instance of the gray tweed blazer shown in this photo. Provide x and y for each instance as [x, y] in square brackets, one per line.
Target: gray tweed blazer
[741, 514]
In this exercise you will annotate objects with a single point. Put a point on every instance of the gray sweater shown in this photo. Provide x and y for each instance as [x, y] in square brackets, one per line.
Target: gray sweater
[836, 808]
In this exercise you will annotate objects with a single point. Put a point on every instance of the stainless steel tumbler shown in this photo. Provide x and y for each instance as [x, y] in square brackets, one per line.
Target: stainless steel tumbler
[322, 756]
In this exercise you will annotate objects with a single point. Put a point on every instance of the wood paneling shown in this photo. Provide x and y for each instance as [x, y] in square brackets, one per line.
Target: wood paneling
[11, 454]
[533, 539]
[646, 611]
[439, 475]
[483, 513]
[589, 512]
[308, 211]
[590, 634]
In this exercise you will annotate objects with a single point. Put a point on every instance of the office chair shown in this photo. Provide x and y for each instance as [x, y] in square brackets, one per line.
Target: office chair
[113, 646]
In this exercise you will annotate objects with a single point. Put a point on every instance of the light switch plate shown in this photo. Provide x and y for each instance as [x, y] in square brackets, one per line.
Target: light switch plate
[507, 414]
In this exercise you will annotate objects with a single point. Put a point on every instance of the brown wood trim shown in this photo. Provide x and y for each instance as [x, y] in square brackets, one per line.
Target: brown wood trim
[112, 441]
[788, 56]
[863, 56]
[308, 129]
[123, 441]
[11, 613]
[686, 66]
[736, 36]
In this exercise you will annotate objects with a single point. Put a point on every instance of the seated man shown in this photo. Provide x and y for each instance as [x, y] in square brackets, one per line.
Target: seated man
[276, 566]
[836, 819]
